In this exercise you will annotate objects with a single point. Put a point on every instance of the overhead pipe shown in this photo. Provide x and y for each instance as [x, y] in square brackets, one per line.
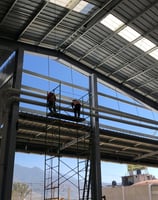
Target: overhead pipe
[99, 109]
[18, 99]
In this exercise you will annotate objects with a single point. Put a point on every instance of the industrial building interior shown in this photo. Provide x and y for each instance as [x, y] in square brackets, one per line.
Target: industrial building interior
[111, 44]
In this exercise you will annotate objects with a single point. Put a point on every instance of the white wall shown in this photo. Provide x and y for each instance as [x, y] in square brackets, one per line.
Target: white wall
[133, 192]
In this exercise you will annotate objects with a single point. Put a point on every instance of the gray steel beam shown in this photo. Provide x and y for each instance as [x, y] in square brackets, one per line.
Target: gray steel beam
[79, 87]
[8, 142]
[87, 113]
[13, 45]
[95, 144]
[107, 6]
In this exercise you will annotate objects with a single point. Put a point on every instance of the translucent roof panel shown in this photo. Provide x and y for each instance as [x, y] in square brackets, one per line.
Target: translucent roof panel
[144, 44]
[83, 7]
[60, 2]
[154, 54]
[112, 22]
[129, 34]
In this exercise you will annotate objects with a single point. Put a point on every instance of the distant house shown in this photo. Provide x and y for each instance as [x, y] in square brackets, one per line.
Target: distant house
[137, 187]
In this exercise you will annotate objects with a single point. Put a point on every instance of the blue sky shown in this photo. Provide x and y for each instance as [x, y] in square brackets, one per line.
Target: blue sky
[110, 171]
[48, 67]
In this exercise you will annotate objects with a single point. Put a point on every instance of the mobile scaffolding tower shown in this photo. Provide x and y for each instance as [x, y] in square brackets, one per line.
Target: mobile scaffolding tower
[54, 178]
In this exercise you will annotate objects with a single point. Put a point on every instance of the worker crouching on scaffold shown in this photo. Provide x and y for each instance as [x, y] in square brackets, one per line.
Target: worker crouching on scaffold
[76, 106]
[51, 102]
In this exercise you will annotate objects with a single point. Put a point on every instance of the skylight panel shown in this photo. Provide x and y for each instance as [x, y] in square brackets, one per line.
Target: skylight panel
[83, 7]
[145, 44]
[62, 3]
[129, 34]
[112, 22]
[154, 54]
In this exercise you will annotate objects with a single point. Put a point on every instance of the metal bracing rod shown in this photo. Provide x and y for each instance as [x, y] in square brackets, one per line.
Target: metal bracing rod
[146, 155]
[74, 142]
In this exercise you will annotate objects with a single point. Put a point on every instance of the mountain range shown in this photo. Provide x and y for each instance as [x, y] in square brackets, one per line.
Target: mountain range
[34, 177]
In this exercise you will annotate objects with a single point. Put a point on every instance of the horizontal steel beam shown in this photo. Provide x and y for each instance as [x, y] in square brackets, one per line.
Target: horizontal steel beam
[14, 45]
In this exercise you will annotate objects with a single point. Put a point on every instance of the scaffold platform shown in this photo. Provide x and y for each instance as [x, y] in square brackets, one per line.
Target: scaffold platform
[66, 117]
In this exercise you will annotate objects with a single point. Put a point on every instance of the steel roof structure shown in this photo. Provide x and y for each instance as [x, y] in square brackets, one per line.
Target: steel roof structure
[114, 39]
[79, 37]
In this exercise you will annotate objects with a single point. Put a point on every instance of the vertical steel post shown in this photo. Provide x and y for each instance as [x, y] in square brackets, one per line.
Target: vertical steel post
[8, 142]
[96, 187]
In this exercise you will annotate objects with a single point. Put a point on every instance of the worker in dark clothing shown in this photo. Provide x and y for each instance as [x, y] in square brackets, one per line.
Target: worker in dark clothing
[76, 106]
[51, 99]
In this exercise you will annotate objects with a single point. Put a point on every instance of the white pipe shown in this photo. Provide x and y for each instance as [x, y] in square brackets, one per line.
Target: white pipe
[14, 98]
[99, 109]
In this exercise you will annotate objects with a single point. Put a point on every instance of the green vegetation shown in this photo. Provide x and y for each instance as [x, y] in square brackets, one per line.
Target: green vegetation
[20, 191]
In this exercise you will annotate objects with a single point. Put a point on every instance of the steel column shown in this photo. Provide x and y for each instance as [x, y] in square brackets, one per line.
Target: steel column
[8, 142]
[96, 187]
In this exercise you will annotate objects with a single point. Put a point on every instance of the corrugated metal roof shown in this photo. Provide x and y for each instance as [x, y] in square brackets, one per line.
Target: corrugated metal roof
[82, 37]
